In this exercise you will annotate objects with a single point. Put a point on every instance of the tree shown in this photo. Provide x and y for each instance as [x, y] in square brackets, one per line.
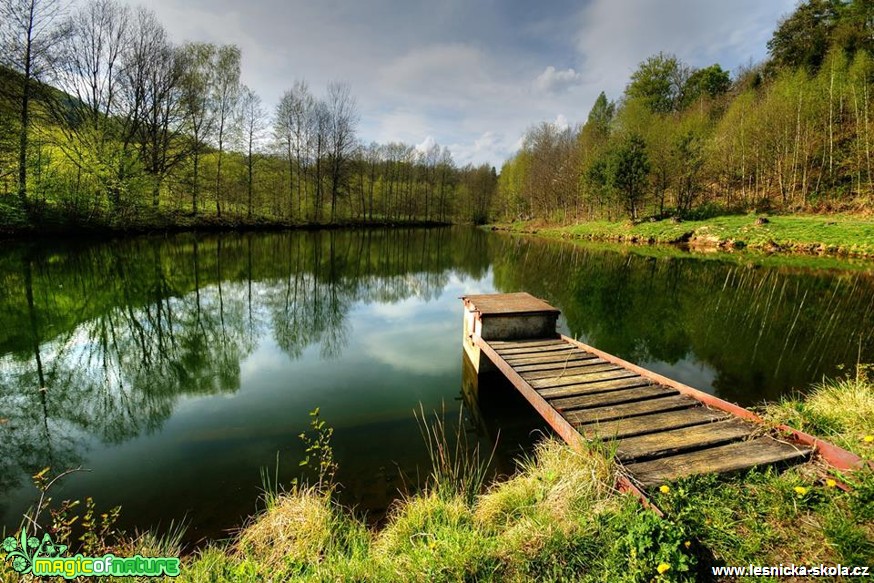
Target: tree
[197, 78]
[29, 34]
[342, 120]
[628, 171]
[319, 126]
[97, 126]
[600, 117]
[803, 38]
[709, 82]
[659, 82]
[251, 122]
[152, 85]
[225, 93]
[292, 127]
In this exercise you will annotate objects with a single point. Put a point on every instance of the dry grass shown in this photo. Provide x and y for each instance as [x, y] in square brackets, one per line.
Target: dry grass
[297, 529]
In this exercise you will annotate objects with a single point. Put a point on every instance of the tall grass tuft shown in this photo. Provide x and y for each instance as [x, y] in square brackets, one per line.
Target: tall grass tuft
[840, 410]
[457, 467]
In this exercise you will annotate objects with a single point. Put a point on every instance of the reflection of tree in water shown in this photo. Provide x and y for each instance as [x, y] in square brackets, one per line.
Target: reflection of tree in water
[764, 330]
[117, 332]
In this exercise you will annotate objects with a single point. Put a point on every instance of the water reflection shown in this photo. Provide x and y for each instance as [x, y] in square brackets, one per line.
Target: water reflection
[175, 368]
[746, 332]
[102, 344]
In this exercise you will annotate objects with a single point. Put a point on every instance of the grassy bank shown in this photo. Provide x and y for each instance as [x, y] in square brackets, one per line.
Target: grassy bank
[560, 519]
[838, 234]
[14, 223]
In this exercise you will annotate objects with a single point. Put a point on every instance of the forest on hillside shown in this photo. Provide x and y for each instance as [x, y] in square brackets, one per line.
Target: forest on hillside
[791, 134]
[106, 121]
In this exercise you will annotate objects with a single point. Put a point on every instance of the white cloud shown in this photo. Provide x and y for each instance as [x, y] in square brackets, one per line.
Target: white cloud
[561, 122]
[555, 81]
[470, 75]
[426, 144]
[616, 35]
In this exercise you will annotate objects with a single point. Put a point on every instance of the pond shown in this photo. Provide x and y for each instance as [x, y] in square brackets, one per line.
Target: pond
[175, 369]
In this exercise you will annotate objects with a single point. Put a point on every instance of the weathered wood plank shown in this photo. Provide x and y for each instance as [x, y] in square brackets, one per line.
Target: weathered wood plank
[627, 410]
[722, 458]
[612, 397]
[651, 423]
[551, 366]
[596, 387]
[575, 371]
[572, 368]
[499, 344]
[534, 350]
[615, 373]
[506, 304]
[560, 357]
[676, 440]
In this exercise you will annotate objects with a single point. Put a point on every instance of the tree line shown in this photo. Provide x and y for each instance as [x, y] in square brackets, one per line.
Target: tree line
[793, 133]
[104, 119]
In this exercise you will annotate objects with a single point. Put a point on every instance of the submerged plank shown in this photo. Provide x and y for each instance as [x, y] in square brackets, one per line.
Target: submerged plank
[596, 387]
[629, 410]
[677, 440]
[723, 458]
[651, 423]
[612, 397]
[614, 372]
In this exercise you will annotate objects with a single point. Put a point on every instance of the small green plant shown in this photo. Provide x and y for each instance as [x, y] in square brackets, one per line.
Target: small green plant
[319, 452]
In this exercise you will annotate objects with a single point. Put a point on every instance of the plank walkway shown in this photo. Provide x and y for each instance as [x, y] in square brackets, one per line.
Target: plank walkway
[659, 433]
[662, 430]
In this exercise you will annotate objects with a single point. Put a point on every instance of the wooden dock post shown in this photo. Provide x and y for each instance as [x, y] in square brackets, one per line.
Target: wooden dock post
[516, 316]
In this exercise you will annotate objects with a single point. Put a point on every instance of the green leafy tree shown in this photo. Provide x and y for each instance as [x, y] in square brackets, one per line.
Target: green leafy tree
[600, 117]
[802, 39]
[710, 81]
[659, 82]
[628, 171]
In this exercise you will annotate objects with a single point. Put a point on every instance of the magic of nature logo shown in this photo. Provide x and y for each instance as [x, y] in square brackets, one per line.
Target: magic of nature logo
[44, 558]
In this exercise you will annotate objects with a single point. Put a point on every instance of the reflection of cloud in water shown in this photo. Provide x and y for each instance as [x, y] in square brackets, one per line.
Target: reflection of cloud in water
[411, 347]
[688, 370]
[402, 310]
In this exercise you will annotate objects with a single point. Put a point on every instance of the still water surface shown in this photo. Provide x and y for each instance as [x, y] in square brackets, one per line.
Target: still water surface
[174, 369]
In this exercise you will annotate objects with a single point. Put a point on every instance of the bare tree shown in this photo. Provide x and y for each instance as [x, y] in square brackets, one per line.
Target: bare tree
[152, 87]
[292, 128]
[96, 125]
[251, 122]
[225, 94]
[319, 124]
[29, 33]
[197, 59]
[342, 121]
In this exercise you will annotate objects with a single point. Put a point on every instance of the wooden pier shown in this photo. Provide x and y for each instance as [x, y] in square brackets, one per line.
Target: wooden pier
[662, 429]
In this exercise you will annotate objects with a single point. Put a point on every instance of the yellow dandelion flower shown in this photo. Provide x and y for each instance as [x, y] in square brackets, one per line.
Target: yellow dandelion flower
[664, 490]
[830, 483]
[868, 439]
[687, 544]
[800, 490]
[663, 568]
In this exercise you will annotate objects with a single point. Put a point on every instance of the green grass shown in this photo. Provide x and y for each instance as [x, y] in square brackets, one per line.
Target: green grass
[817, 234]
[559, 518]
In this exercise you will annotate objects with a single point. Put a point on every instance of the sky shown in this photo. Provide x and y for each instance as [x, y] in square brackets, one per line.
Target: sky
[472, 75]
